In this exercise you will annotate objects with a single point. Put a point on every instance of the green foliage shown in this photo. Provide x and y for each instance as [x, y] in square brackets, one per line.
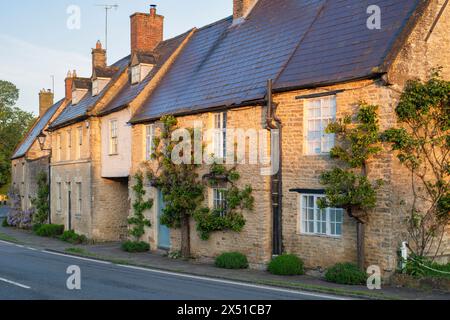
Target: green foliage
[357, 141]
[346, 273]
[209, 221]
[286, 265]
[230, 218]
[422, 144]
[348, 190]
[421, 267]
[14, 123]
[232, 260]
[41, 203]
[5, 223]
[138, 220]
[182, 192]
[72, 237]
[50, 230]
[135, 246]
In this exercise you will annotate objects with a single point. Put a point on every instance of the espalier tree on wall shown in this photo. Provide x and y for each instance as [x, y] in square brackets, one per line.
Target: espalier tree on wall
[422, 144]
[183, 189]
[348, 186]
[138, 222]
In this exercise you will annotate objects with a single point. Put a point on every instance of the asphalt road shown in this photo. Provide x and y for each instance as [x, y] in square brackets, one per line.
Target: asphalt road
[27, 273]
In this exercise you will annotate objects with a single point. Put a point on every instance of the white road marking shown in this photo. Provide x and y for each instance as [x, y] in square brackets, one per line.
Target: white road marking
[6, 242]
[15, 283]
[76, 257]
[243, 284]
[30, 248]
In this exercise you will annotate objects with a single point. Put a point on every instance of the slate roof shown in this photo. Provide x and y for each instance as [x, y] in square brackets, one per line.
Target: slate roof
[295, 42]
[82, 83]
[129, 92]
[40, 125]
[339, 46]
[77, 112]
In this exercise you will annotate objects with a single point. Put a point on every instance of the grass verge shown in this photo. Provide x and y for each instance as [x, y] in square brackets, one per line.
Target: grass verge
[8, 238]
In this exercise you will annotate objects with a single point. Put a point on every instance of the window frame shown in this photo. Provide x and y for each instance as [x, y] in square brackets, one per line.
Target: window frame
[79, 198]
[113, 137]
[149, 136]
[220, 120]
[59, 197]
[69, 145]
[58, 146]
[221, 199]
[303, 213]
[322, 119]
[79, 142]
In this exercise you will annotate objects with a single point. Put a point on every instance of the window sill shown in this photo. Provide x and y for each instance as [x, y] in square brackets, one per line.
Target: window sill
[317, 235]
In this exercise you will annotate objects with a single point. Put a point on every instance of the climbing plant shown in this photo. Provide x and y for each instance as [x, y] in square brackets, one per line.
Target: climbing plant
[179, 182]
[40, 202]
[229, 218]
[183, 188]
[422, 144]
[348, 186]
[138, 220]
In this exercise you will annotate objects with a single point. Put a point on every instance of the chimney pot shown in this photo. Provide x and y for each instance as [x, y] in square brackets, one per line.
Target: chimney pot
[98, 56]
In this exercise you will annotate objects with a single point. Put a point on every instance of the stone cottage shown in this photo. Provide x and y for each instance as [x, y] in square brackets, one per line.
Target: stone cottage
[29, 159]
[323, 57]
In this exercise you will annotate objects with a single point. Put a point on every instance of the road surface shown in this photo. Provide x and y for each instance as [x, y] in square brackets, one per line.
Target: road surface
[28, 273]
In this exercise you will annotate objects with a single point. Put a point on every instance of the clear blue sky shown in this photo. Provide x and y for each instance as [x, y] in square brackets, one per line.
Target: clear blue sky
[36, 43]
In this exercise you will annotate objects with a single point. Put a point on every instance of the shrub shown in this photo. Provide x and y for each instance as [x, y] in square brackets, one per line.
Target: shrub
[36, 227]
[50, 230]
[346, 273]
[232, 260]
[420, 267]
[135, 246]
[286, 265]
[72, 237]
[5, 223]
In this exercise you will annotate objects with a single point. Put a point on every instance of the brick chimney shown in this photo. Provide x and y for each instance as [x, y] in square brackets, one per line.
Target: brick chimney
[69, 84]
[241, 8]
[146, 30]
[98, 56]
[45, 101]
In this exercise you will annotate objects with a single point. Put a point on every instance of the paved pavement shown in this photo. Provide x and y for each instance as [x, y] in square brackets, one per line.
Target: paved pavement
[29, 273]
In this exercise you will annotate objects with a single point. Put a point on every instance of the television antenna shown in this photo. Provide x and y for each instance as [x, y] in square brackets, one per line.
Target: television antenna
[107, 8]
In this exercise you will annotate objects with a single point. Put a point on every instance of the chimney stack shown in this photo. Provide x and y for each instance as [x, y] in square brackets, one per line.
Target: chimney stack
[146, 31]
[45, 101]
[98, 56]
[69, 84]
[241, 8]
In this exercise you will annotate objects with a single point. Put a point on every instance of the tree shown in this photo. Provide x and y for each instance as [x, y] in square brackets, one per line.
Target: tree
[350, 188]
[179, 183]
[14, 123]
[138, 220]
[183, 189]
[422, 144]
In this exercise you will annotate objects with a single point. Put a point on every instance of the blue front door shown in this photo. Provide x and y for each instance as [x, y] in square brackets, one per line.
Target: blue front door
[163, 231]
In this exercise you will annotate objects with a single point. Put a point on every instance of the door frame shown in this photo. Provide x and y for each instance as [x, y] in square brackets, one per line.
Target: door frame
[69, 206]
